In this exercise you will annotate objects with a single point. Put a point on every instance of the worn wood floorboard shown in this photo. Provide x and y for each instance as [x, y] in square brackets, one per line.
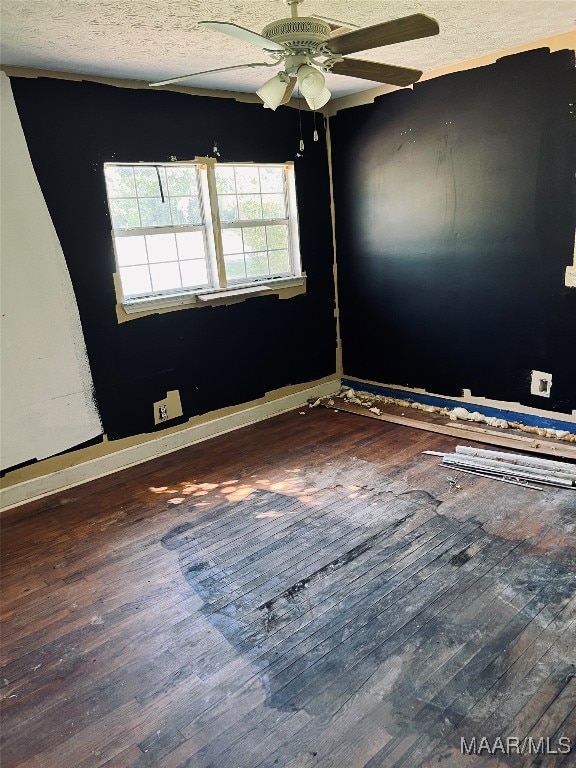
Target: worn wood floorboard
[341, 697]
[293, 674]
[308, 591]
[279, 618]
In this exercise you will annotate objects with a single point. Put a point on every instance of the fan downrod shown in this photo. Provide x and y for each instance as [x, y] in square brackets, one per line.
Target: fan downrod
[293, 5]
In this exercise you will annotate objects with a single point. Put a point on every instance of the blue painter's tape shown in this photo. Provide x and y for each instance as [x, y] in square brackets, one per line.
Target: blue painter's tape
[419, 397]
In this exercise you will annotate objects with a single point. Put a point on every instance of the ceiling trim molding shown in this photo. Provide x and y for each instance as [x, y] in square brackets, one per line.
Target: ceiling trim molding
[124, 83]
[118, 82]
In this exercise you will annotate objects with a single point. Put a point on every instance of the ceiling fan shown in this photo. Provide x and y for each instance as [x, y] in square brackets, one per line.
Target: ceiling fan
[305, 48]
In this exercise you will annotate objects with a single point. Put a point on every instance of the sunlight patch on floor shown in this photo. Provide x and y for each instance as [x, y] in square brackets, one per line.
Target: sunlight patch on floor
[234, 490]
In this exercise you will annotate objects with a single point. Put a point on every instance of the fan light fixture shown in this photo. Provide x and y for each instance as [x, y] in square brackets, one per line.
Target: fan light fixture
[274, 90]
[313, 86]
[310, 81]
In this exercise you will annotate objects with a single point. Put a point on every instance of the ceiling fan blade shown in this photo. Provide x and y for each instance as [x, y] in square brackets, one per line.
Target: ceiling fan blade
[380, 73]
[241, 33]
[289, 90]
[210, 71]
[396, 31]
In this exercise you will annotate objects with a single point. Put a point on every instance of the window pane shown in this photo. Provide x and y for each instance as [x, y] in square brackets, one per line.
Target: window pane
[277, 236]
[120, 182]
[193, 273]
[235, 268]
[147, 183]
[254, 239]
[257, 264]
[228, 207]
[130, 251]
[185, 210]
[161, 248]
[135, 280]
[279, 262]
[191, 245]
[272, 180]
[247, 180]
[225, 183]
[124, 214]
[165, 277]
[232, 241]
[249, 207]
[154, 213]
[274, 206]
[182, 182]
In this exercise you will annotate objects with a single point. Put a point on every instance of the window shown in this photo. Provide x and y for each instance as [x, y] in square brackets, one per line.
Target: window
[254, 215]
[198, 232]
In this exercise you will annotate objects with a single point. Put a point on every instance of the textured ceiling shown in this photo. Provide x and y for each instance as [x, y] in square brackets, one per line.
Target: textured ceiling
[157, 39]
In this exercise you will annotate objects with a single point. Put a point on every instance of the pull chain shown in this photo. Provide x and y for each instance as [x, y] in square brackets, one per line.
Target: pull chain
[299, 154]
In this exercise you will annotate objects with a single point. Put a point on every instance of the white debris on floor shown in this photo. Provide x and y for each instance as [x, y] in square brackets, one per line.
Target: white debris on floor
[372, 402]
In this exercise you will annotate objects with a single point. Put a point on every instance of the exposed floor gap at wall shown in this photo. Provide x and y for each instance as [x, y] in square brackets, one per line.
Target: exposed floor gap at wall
[429, 419]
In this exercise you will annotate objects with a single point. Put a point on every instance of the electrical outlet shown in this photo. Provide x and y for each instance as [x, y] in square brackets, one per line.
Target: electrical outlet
[541, 384]
[169, 408]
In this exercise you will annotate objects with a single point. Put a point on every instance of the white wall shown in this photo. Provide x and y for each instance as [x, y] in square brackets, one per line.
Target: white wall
[47, 401]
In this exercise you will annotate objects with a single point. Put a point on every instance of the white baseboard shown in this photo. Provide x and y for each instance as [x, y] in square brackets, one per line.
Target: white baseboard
[62, 479]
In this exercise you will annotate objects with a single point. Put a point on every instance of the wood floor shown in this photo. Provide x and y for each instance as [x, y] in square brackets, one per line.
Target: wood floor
[309, 591]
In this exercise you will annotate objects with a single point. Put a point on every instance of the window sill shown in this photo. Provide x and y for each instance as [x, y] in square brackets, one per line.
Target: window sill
[285, 287]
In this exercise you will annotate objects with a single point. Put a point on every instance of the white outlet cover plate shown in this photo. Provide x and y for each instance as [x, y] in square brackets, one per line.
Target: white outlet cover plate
[541, 384]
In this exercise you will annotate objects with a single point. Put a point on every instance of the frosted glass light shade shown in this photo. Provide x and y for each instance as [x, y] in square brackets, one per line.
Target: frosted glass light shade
[310, 80]
[318, 102]
[313, 86]
[273, 91]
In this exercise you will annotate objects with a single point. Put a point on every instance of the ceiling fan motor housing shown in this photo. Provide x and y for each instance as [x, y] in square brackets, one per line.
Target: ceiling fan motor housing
[300, 33]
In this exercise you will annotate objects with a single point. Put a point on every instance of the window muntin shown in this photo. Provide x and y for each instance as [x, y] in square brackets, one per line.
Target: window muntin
[253, 252]
[157, 262]
[167, 241]
[153, 196]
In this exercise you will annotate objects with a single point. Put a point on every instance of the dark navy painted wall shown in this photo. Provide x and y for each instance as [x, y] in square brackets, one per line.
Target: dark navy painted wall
[455, 216]
[215, 356]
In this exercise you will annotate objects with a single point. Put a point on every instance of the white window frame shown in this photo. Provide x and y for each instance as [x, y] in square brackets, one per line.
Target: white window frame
[220, 288]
